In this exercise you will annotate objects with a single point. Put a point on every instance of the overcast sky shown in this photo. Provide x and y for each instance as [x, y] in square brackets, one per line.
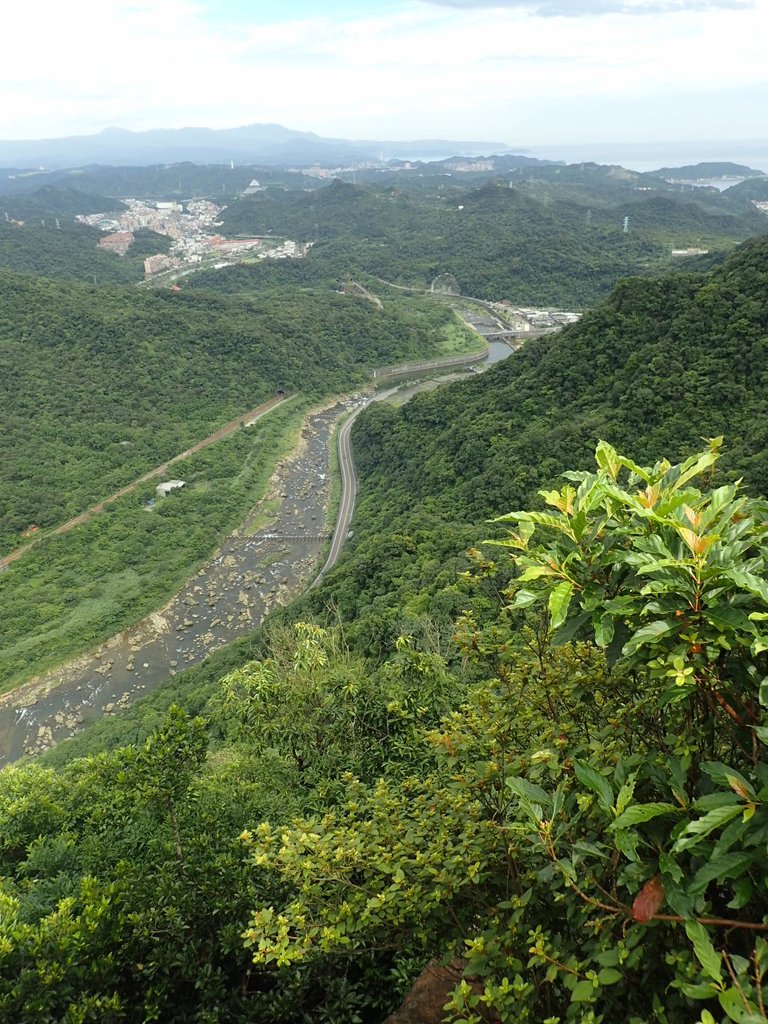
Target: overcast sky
[523, 72]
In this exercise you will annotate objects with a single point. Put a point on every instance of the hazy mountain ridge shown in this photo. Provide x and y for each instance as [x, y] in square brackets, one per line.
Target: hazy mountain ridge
[709, 169]
[268, 143]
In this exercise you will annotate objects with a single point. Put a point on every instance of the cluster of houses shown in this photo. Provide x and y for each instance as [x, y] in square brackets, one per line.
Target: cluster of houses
[192, 227]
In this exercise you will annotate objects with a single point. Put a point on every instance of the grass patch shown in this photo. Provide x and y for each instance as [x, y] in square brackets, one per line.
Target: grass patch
[72, 592]
[459, 339]
[265, 516]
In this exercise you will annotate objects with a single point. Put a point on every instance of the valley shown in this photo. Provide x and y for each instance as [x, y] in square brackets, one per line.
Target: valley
[256, 569]
[509, 718]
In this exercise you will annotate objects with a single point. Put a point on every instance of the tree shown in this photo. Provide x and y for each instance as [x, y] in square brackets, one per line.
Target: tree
[591, 837]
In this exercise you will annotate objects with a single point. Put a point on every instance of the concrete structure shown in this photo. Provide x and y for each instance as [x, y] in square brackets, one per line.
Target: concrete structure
[118, 242]
[156, 264]
[170, 485]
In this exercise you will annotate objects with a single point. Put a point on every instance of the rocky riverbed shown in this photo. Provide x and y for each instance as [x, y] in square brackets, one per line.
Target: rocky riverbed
[264, 563]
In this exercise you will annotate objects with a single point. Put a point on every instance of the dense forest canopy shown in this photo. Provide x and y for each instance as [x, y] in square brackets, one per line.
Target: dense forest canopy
[100, 385]
[560, 240]
[541, 763]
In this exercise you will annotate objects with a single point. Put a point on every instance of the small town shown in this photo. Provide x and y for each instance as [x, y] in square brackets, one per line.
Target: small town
[192, 226]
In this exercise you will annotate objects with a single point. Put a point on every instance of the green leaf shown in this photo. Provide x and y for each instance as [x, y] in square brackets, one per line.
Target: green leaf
[625, 794]
[535, 572]
[529, 791]
[608, 957]
[706, 953]
[697, 830]
[593, 780]
[703, 990]
[604, 629]
[570, 629]
[724, 775]
[558, 523]
[627, 841]
[677, 897]
[583, 992]
[749, 582]
[742, 893]
[732, 1001]
[634, 468]
[696, 465]
[669, 866]
[674, 694]
[559, 601]
[641, 812]
[607, 459]
[649, 634]
[726, 618]
[524, 599]
[724, 868]
[609, 976]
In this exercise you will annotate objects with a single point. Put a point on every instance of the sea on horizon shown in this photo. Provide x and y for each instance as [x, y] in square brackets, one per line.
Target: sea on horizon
[650, 156]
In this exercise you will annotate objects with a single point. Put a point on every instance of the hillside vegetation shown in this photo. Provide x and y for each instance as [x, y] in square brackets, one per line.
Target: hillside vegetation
[556, 238]
[100, 386]
[542, 762]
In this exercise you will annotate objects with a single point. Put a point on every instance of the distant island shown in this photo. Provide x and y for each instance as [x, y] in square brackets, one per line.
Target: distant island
[704, 171]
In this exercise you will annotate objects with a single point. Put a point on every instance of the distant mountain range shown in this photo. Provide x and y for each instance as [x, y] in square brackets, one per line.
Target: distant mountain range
[255, 143]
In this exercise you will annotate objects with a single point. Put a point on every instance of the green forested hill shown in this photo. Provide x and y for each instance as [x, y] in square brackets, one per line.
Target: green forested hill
[557, 241]
[710, 169]
[429, 776]
[658, 366]
[48, 201]
[62, 248]
[99, 385]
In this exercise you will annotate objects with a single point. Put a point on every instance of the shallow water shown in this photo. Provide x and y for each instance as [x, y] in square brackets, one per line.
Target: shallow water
[248, 576]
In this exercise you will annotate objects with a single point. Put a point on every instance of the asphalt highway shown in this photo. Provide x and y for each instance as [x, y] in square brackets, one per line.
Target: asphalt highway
[348, 485]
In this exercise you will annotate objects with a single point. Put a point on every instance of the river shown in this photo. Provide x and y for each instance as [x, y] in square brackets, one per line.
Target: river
[253, 571]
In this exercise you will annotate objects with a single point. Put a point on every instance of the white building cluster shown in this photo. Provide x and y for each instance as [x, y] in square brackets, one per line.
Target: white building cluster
[192, 227]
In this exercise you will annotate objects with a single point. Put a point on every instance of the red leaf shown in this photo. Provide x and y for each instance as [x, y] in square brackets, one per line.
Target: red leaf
[648, 900]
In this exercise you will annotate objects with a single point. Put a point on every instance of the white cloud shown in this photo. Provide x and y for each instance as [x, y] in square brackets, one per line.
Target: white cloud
[579, 8]
[439, 68]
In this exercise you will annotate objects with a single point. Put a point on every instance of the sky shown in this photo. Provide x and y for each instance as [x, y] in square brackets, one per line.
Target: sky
[528, 73]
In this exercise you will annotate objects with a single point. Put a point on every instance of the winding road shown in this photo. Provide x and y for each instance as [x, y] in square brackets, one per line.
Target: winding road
[348, 485]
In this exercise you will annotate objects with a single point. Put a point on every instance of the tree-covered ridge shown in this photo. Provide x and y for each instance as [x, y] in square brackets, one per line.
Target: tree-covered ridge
[62, 248]
[99, 385]
[708, 169]
[582, 838]
[657, 366]
[49, 200]
[155, 181]
[558, 241]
